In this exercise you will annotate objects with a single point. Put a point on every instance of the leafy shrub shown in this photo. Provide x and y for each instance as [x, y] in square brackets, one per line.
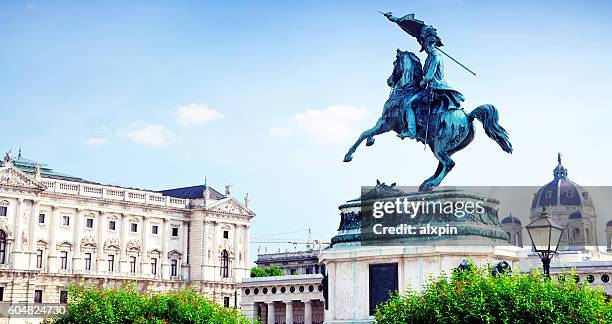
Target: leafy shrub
[478, 296]
[272, 271]
[128, 305]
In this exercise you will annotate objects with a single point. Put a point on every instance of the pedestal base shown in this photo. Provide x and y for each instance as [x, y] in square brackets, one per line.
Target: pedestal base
[348, 270]
[362, 268]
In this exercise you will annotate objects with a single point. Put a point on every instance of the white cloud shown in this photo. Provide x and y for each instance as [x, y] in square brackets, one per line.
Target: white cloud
[333, 124]
[196, 113]
[280, 132]
[96, 141]
[150, 135]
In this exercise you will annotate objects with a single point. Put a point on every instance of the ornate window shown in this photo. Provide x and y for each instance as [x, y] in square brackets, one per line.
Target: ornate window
[175, 231]
[3, 207]
[88, 261]
[224, 264]
[111, 262]
[2, 247]
[154, 266]
[39, 258]
[41, 218]
[134, 227]
[173, 268]
[64, 260]
[132, 264]
[66, 220]
[154, 229]
[112, 225]
[89, 222]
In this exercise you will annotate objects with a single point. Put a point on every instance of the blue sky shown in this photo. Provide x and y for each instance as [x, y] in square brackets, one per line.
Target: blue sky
[269, 96]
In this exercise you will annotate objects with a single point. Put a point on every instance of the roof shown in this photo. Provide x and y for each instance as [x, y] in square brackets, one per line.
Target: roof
[511, 219]
[29, 167]
[561, 191]
[194, 192]
[575, 215]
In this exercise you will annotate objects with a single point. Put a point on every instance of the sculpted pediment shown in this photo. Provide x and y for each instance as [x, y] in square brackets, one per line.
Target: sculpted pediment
[10, 176]
[231, 206]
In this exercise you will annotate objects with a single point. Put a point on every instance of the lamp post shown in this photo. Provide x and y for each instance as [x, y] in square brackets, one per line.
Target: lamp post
[545, 235]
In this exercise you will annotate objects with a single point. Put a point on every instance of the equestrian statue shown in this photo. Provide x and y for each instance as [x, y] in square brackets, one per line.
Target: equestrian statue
[424, 107]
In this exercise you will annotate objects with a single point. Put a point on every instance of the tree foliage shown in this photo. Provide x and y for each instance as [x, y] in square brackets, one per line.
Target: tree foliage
[266, 272]
[128, 305]
[476, 295]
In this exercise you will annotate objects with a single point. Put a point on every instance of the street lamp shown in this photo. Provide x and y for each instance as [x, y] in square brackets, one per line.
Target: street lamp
[545, 235]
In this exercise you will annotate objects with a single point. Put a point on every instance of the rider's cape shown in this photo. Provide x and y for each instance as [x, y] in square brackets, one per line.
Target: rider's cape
[434, 71]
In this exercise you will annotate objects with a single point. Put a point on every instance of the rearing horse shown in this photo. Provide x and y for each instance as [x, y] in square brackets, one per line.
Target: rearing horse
[444, 130]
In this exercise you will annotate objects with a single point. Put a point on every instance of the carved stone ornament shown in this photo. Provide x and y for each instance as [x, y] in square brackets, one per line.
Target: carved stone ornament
[6, 227]
[231, 207]
[88, 242]
[174, 254]
[112, 243]
[134, 245]
[226, 245]
[12, 177]
[24, 237]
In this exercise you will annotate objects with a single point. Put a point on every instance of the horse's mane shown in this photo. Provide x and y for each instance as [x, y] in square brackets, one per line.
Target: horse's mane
[417, 71]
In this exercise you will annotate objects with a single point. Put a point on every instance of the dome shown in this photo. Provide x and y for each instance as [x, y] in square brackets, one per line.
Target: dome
[576, 215]
[511, 220]
[561, 191]
[609, 224]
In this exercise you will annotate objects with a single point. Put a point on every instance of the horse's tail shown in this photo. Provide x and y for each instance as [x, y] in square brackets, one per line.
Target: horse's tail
[488, 116]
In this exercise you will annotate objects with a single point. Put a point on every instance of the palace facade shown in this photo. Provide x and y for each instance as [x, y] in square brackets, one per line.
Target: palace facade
[56, 229]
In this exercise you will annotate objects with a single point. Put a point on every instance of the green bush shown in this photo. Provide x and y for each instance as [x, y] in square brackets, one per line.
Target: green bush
[477, 296]
[128, 305]
[272, 271]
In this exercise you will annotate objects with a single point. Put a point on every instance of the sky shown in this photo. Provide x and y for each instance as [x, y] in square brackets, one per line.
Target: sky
[268, 96]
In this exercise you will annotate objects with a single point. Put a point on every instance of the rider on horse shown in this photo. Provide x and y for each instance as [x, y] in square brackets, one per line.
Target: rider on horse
[434, 87]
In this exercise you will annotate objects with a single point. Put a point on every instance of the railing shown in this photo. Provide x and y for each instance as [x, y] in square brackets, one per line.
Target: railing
[114, 193]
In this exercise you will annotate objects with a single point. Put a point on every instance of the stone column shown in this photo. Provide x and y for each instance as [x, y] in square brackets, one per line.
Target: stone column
[215, 256]
[18, 224]
[289, 312]
[205, 247]
[165, 264]
[271, 313]
[236, 265]
[307, 312]
[52, 263]
[247, 246]
[31, 237]
[184, 262]
[124, 266]
[102, 228]
[145, 264]
[79, 223]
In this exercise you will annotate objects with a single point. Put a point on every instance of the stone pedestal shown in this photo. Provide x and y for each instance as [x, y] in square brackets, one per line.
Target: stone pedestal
[359, 264]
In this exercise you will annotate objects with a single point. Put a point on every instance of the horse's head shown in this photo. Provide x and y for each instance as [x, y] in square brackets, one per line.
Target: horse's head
[406, 69]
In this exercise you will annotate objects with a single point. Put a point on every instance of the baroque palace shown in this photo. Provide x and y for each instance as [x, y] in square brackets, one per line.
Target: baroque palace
[56, 229]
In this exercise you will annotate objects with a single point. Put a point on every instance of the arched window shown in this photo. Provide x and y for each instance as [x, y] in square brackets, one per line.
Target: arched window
[2, 247]
[224, 264]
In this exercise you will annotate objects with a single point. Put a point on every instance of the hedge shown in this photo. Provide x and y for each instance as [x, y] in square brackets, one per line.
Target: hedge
[128, 305]
[266, 272]
[477, 295]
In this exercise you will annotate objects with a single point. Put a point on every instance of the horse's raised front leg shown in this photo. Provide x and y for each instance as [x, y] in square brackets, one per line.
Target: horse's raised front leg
[444, 167]
[379, 128]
